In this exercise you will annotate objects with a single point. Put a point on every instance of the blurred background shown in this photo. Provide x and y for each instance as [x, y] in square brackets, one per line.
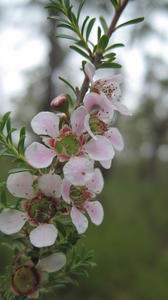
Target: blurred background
[131, 246]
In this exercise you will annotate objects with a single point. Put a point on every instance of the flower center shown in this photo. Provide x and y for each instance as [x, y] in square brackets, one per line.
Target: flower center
[41, 210]
[107, 88]
[97, 126]
[67, 144]
[79, 194]
[25, 280]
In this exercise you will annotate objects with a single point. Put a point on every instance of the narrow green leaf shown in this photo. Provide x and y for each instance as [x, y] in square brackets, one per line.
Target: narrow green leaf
[115, 3]
[67, 3]
[59, 19]
[115, 46]
[109, 55]
[89, 28]
[81, 52]
[65, 26]
[67, 83]
[98, 34]
[9, 135]
[103, 42]
[54, 6]
[65, 36]
[109, 65]
[81, 44]
[22, 140]
[84, 24]
[3, 120]
[131, 22]
[80, 9]
[3, 200]
[8, 128]
[70, 101]
[104, 24]
[61, 228]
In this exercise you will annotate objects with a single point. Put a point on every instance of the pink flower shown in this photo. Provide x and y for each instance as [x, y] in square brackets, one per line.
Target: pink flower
[63, 143]
[80, 198]
[39, 209]
[108, 87]
[95, 116]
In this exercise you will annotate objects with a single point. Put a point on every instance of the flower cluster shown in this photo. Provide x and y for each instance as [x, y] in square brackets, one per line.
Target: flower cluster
[67, 181]
[76, 143]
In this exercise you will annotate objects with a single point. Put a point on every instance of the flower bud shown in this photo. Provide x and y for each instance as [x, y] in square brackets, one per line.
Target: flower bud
[60, 103]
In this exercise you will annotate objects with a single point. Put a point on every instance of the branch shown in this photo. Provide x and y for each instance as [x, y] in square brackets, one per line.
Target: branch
[98, 57]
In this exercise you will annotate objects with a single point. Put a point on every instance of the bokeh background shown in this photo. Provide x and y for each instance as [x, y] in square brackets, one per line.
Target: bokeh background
[131, 246]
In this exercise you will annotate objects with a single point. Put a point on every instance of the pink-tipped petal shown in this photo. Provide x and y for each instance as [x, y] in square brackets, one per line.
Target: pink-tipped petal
[77, 120]
[66, 191]
[90, 71]
[39, 156]
[52, 263]
[94, 101]
[96, 184]
[100, 149]
[95, 211]
[115, 137]
[121, 108]
[12, 221]
[78, 170]
[106, 164]
[21, 185]
[46, 123]
[87, 126]
[50, 185]
[43, 236]
[79, 220]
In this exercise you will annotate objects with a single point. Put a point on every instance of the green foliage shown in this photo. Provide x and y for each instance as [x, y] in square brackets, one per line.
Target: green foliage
[7, 146]
[115, 3]
[67, 83]
[104, 24]
[77, 266]
[102, 44]
[3, 200]
[81, 32]
[131, 22]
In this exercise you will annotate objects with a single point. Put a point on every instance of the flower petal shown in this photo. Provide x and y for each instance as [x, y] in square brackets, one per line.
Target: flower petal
[79, 220]
[115, 137]
[78, 170]
[90, 71]
[106, 164]
[95, 211]
[12, 221]
[21, 185]
[96, 184]
[50, 185]
[99, 102]
[121, 108]
[39, 156]
[52, 263]
[77, 120]
[66, 190]
[87, 126]
[100, 149]
[43, 236]
[46, 123]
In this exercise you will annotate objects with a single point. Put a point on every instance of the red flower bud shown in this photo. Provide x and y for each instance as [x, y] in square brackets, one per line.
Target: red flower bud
[58, 101]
